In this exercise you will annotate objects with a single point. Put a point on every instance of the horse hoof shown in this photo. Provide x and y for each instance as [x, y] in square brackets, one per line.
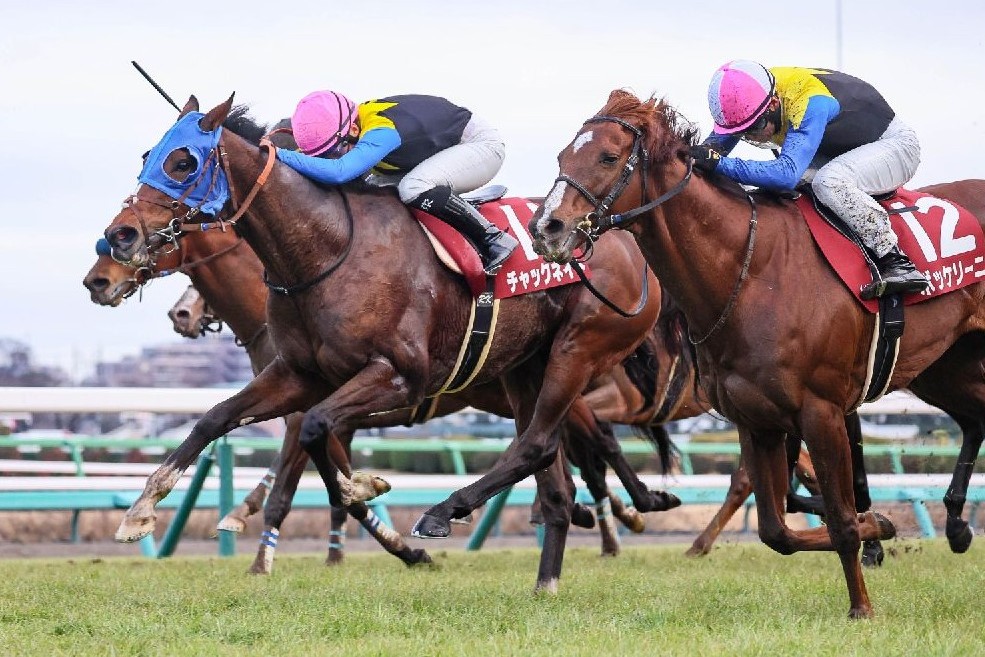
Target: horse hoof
[132, 530]
[258, 567]
[636, 523]
[367, 487]
[887, 529]
[663, 501]
[334, 558]
[231, 524]
[696, 551]
[872, 554]
[546, 586]
[582, 516]
[860, 613]
[431, 527]
[959, 535]
[419, 557]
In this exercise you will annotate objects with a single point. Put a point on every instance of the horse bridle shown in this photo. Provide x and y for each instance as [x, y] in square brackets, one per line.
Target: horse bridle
[599, 220]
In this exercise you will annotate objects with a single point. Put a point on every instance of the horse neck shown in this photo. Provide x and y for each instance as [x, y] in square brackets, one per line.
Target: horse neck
[295, 227]
[696, 243]
[228, 279]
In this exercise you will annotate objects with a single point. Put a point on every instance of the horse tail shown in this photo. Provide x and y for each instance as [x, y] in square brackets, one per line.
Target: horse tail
[658, 436]
[642, 368]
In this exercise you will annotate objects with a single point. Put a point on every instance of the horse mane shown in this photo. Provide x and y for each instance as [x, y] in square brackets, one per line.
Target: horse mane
[666, 133]
[240, 122]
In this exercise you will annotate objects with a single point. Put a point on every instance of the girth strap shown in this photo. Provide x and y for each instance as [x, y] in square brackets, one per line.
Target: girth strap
[478, 339]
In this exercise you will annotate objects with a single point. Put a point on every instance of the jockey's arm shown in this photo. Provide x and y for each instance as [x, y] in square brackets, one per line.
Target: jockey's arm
[373, 146]
[798, 149]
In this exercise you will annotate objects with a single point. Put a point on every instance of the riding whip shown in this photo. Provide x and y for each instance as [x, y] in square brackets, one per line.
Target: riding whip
[155, 85]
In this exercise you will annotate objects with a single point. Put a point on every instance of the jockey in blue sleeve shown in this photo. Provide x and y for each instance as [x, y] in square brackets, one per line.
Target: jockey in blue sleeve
[432, 149]
[832, 130]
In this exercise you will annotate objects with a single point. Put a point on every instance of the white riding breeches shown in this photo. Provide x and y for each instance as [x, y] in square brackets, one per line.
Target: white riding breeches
[464, 167]
[846, 183]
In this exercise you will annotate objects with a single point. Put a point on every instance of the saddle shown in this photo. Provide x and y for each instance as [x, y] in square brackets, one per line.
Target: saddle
[943, 240]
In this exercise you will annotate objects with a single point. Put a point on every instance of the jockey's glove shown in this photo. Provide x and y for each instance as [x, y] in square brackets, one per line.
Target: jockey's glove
[706, 158]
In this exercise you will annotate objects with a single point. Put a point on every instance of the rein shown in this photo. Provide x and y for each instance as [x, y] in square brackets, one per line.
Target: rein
[601, 297]
[743, 274]
[301, 287]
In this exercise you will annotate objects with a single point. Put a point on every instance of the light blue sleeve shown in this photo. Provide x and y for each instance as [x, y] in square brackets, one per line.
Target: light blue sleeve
[372, 147]
[798, 149]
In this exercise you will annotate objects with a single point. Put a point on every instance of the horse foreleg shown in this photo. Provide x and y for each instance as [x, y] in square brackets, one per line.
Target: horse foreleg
[292, 463]
[276, 392]
[740, 488]
[593, 473]
[826, 435]
[872, 552]
[388, 538]
[556, 504]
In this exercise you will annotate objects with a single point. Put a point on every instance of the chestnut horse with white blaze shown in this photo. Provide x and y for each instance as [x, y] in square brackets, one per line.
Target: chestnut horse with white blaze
[782, 343]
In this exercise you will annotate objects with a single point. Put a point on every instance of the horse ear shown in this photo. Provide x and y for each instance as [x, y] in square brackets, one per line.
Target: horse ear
[190, 106]
[217, 115]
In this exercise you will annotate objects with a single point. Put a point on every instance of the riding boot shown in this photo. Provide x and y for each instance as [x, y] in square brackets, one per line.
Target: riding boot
[493, 245]
[897, 275]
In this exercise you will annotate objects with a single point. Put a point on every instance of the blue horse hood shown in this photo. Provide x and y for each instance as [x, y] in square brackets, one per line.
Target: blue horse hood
[209, 188]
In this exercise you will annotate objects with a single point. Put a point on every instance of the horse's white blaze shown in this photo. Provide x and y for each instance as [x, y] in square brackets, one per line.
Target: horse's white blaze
[551, 203]
[581, 140]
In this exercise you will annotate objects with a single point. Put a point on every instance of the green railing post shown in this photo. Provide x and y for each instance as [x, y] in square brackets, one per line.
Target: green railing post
[686, 466]
[457, 460]
[489, 518]
[897, 461]
[923, 519]
[76, 452]
[227, 540]
[173, 534]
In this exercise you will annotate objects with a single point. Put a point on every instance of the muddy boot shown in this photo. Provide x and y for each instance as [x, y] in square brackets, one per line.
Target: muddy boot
[897, 275]
[493, 245]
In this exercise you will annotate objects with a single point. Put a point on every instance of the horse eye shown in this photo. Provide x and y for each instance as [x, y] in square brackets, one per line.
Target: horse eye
[184, 165]
[608, 158]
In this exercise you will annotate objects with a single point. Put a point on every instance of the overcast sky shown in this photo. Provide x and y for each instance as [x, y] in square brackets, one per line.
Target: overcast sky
[76, 116]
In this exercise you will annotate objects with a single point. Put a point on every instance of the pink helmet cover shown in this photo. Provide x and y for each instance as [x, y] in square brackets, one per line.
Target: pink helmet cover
[738, 94]
[320, 120]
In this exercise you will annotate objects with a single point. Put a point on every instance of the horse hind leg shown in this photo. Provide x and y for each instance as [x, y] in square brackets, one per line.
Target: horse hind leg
[959, 533]
[235, 520]
[740, 488]
[629, 516]
[336, 536]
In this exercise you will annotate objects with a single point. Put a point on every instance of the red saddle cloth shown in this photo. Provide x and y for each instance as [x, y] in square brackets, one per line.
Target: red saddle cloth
[524, 271]
[943, 240]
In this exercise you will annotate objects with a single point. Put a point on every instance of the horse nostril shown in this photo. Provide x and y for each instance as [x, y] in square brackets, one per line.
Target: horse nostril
[98, 284]
[183, 314]
[553, 226]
